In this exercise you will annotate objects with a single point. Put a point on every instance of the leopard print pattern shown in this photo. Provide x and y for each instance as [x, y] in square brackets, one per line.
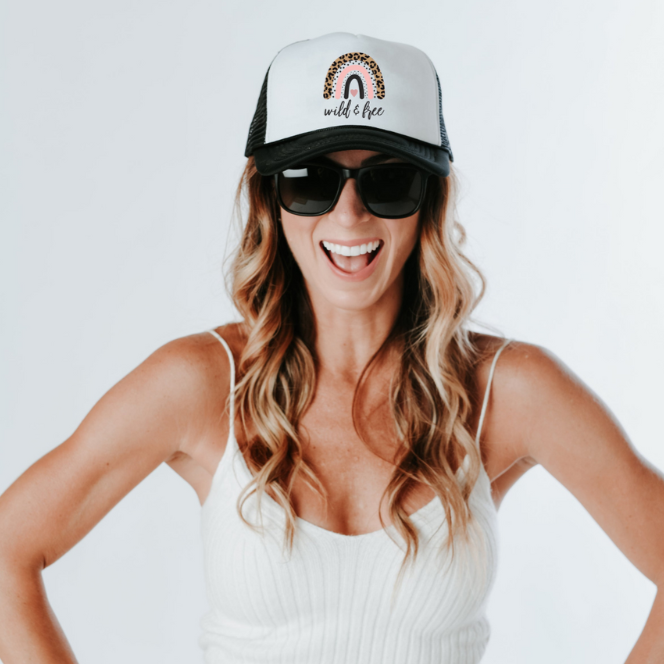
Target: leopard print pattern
[377, 75]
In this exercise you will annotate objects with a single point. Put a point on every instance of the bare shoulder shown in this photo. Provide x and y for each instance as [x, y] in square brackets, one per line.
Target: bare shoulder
[527, 379]
[519, 372]
[199, 363]
[532, 388]
[191, 371]
[235, 335]
[546, 415]
[206, 360]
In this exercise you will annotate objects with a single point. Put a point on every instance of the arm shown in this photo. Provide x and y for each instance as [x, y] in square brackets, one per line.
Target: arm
[554, 420]
[151, 415]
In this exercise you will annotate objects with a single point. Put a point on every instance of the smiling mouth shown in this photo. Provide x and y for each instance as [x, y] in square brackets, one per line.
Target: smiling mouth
[351, 259]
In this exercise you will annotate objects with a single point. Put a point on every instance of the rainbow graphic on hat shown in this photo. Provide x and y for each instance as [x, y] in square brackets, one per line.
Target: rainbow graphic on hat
[358, 67]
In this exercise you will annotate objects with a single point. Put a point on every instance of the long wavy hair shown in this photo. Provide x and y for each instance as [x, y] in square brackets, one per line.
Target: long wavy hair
[430, 390]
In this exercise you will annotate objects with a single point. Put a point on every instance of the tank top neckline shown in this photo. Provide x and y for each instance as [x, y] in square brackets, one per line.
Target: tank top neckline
[233, 449]
[416, 516]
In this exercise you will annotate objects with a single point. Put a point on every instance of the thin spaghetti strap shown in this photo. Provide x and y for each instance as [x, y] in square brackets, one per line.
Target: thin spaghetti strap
[231, 416]
[488, 389]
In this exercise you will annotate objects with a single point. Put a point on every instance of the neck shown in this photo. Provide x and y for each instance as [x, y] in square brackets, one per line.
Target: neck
[347, 339]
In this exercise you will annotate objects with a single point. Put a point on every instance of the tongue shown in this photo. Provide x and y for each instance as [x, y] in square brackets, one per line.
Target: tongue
[350, 263]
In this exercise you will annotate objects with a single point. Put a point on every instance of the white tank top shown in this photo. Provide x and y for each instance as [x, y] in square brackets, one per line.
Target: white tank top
[330, 602]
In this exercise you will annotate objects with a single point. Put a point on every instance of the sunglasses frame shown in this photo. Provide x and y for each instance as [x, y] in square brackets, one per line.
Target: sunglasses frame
[354, 173]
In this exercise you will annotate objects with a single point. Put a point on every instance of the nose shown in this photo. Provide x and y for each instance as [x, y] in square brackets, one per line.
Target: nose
[349, 209]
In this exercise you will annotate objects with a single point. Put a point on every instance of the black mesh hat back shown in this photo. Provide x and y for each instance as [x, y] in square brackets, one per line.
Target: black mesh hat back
[256, 136]
[444, 140]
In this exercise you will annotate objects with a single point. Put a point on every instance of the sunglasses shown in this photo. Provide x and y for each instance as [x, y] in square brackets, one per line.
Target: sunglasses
[390, 191]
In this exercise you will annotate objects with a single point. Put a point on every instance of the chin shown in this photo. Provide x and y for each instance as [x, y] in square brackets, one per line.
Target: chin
[351, 301]
[354, 297]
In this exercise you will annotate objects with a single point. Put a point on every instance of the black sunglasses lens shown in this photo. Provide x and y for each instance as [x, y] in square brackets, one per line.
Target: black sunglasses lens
[392, 191]
[308, 189]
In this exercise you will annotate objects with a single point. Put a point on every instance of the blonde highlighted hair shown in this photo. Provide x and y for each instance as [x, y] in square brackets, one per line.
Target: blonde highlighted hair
[430, 396]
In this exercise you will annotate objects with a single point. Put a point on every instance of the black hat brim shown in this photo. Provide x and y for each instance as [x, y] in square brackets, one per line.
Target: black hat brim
[279, 155]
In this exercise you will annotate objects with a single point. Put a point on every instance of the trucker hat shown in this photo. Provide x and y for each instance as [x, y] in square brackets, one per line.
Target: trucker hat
[343, 91]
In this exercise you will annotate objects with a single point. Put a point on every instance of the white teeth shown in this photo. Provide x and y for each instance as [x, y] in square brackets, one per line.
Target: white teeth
[356, 250]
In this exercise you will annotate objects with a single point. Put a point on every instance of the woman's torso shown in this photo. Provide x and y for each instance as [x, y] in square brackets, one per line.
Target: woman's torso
[355, 477]
[333, 598]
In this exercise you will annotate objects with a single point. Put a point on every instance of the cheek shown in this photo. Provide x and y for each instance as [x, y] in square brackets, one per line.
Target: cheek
[298, 233]
[405, 238]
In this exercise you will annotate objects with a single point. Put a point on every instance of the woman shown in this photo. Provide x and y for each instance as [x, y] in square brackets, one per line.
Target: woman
[351, 439]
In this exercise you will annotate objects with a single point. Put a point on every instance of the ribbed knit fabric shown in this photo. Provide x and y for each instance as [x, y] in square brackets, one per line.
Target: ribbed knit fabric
[330, 602]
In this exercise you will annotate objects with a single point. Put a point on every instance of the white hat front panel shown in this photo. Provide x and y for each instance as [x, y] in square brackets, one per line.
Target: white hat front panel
[343, 79]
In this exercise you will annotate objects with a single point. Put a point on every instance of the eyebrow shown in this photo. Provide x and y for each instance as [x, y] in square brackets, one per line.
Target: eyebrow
[369, 161]
[377, 158]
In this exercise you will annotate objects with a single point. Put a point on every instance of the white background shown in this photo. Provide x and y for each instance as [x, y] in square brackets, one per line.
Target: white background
[123, 130]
